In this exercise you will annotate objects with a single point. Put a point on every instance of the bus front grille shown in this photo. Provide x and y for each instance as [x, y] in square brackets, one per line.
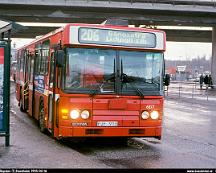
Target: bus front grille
[136, 131]
[94, 131]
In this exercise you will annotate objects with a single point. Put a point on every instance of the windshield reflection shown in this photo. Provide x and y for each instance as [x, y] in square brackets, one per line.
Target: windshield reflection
[90, 69]
[94, 71]
[141, 70]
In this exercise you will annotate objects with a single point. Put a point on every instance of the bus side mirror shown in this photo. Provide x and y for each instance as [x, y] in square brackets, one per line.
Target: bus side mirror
[167, 80]
[60, 58]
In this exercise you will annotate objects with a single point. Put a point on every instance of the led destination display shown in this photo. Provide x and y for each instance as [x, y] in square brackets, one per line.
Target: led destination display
[116, 37]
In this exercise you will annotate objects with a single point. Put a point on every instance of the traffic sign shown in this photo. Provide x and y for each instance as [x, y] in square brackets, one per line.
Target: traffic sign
[181, 68]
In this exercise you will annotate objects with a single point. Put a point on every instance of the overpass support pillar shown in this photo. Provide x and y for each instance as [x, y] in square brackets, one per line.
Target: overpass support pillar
[213, 61]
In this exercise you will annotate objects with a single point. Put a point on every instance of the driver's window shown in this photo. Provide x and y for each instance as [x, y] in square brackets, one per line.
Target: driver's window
[51, 78]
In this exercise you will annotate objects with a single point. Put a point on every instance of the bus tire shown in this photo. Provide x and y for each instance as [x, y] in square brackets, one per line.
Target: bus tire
[42, 117]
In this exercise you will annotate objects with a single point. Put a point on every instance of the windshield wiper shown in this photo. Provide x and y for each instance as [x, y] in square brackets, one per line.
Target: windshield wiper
[96, 91]
[132, 85]
[125, 79]
[156, 84]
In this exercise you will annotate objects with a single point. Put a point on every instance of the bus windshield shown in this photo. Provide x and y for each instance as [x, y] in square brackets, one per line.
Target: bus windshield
[142, 70]
[95, 71]
[90, 69]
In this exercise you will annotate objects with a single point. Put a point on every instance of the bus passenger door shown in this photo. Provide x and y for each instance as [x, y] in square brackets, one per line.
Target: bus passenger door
[26, 81]
[51, 93]
[31, 85]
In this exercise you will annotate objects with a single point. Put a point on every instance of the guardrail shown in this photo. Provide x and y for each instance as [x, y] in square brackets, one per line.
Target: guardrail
[172, 2]
[192, 90]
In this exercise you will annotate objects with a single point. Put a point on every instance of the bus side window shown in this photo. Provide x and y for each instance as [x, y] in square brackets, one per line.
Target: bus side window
[44, 57]
[37, 58]
[21, 61]
[51, 78]
[18, 66]
[31, 68]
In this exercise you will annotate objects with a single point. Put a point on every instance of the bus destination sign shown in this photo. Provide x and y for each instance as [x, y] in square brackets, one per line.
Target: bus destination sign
[116, 37]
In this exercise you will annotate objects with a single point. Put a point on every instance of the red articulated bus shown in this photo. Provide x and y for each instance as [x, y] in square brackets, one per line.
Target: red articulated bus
[89, 80]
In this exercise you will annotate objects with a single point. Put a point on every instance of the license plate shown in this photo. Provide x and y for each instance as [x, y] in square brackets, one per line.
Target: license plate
[107, 123]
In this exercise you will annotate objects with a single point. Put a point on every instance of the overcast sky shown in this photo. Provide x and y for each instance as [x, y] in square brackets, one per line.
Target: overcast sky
[184, 51]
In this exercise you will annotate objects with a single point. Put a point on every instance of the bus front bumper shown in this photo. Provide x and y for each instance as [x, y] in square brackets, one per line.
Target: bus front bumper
[110, 131]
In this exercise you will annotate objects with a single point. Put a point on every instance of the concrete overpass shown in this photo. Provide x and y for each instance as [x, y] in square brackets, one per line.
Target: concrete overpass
[138, 12]
[152, 12]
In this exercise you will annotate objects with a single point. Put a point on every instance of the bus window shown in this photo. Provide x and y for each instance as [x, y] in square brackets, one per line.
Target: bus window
[88, 69]
[143, 69]
[51, 79]
[44, 57]
[32, 69]
[18, 66]
[22, 61]
[37, 58]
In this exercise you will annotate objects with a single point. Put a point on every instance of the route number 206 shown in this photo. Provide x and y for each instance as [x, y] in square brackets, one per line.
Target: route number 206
[89, 35]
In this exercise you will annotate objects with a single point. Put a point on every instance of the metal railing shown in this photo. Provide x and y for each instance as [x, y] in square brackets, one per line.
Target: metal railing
[172, 2]
[179, 89]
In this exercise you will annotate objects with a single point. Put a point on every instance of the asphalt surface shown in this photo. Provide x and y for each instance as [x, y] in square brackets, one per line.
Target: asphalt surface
[188, 141]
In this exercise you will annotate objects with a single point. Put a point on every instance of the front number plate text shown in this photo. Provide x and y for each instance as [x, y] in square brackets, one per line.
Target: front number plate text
[107, 123]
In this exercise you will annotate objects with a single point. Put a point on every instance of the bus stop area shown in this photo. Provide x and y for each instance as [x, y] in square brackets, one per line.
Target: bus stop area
[98, 93]
[188, 139]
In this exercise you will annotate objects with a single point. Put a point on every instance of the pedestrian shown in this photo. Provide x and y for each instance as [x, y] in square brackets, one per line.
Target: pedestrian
[167, 79]
[201, 81]
[210, 82]
[206, 81]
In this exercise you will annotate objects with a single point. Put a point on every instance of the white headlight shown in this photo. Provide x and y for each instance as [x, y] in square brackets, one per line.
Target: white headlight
[85, 114]
[154, 115]
[74, 114]
[145, 115]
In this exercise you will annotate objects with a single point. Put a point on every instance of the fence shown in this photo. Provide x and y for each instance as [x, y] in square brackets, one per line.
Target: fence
[178, 89]
[171, 2]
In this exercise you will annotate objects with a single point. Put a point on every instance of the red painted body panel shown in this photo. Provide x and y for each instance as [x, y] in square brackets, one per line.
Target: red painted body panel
[100, 111]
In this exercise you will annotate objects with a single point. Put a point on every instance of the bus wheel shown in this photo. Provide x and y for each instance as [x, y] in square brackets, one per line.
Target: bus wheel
[41, 118]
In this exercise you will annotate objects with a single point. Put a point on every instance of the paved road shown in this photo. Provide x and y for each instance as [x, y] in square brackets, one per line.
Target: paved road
[188, 142]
